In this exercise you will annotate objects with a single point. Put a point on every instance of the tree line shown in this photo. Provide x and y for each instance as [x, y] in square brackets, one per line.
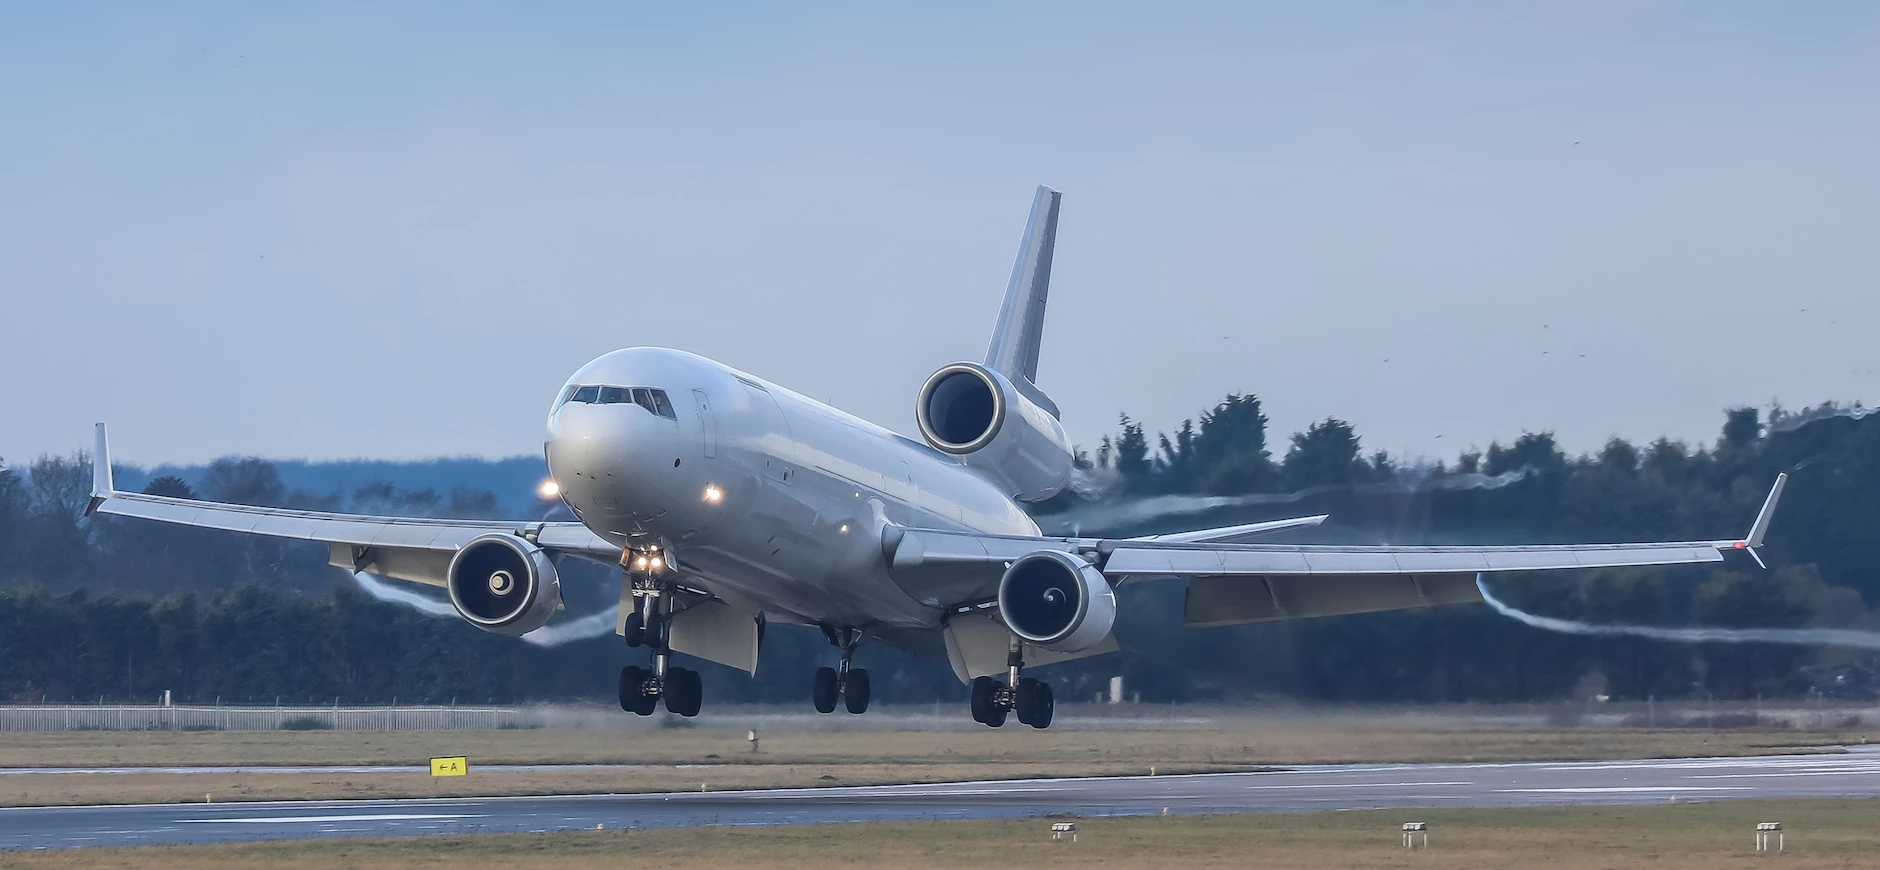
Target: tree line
[108, 608]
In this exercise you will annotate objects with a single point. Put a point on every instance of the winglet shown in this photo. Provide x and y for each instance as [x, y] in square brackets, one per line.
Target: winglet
[1760, 529]
[1768, 512]
[100, 473]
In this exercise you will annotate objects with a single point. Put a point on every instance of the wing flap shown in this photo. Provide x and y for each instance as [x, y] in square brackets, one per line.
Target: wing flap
[1237, 600]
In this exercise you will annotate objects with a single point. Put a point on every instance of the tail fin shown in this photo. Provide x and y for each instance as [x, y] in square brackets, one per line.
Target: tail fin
[1015, 340]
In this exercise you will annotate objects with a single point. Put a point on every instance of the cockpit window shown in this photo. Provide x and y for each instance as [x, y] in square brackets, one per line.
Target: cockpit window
[646, 397]
[566, 394]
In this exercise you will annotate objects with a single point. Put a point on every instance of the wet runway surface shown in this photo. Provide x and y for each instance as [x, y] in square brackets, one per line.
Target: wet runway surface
[1298, 789]
[405, 768]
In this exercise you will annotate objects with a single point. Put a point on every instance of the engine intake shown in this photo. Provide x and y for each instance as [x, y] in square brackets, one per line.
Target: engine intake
[1057, 601]
[503, 585]
[978, 415]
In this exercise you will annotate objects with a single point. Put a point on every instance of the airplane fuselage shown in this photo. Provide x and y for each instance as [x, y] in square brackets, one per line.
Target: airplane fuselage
[766, 497]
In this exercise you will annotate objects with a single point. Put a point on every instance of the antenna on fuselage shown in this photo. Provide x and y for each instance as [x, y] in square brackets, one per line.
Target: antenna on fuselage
[1014, 349]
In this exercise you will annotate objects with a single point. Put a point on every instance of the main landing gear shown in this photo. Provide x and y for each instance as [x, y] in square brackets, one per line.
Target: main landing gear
[650, 625]
[1030, 699]
[845, 682]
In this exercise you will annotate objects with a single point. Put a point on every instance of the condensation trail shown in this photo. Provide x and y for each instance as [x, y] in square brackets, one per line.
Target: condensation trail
[581, 628]
[1803, 636]
[384, 591]
[1104, 513]
[592, 625]
[1806, 416]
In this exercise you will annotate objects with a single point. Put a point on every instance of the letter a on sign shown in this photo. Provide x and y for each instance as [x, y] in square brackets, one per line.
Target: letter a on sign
[453, 766]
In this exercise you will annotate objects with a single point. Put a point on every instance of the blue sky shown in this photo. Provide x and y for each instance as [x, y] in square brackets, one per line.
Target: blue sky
[351, 230]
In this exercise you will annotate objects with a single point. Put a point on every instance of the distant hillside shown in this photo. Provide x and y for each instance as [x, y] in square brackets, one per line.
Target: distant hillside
[513, 480]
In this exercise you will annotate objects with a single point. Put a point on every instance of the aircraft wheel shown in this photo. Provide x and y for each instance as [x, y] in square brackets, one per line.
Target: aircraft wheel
[1043, 707]
[630, 679]
[1025, 704]
[635, 630]
[633, 698]
[685, 691]
[824, 690]
[982, 689]
[855, 690]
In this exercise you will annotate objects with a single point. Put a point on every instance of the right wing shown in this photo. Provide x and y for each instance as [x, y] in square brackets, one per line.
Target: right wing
[408, 548]
[1233, 583]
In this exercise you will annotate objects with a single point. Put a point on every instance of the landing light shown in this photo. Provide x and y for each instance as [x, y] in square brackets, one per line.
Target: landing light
[658, 563]
[641, 563]
[713, 494]
[548, 490]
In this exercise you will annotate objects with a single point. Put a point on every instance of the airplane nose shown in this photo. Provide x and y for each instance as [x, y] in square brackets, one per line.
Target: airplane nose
[578, 444]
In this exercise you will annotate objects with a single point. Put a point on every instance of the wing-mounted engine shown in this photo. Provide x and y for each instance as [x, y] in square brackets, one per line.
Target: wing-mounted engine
[979, 415]
[503, 585]
[1058, 601]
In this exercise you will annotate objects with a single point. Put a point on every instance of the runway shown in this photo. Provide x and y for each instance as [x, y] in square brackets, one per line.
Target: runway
[1298, 789]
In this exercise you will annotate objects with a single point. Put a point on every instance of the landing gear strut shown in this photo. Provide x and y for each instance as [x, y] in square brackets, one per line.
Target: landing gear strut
[650, 624]
[1031, 699]
[845, 682]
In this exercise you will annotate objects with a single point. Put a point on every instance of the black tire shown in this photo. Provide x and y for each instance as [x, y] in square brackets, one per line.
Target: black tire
[855, 690]
[685, 691]
[635, 631]
[983, 687]
[630, 679]
[632, 699]
[1043, 707]
[1025, 704]
[996, 717]
[824, 689]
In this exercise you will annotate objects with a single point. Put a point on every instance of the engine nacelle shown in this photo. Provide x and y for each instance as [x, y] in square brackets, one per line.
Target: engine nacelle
[977, 414]
[503, 585]
[1057, 601]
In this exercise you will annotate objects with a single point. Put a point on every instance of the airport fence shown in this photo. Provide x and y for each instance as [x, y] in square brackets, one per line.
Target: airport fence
[218, 717]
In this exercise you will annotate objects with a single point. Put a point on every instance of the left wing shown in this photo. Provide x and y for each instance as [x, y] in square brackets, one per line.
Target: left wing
[408, 548]
[1239, 583]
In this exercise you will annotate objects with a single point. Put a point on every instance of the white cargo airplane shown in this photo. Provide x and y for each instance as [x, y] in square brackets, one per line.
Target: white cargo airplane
[729, 502]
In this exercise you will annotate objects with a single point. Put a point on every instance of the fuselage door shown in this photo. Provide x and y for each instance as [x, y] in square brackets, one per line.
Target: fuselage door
[707, 424]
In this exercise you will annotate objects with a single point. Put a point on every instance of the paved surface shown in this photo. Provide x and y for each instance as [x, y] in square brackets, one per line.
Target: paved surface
[341, 768]
[1855, 774]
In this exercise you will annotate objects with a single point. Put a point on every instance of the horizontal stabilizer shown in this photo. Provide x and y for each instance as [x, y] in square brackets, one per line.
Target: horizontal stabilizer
[1231, 534]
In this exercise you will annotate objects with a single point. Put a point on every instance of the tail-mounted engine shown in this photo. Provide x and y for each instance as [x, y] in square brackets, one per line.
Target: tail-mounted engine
[1057, 601]
[978, 415]
[503, 585]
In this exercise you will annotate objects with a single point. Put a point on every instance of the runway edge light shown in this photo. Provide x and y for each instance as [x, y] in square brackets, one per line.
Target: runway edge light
[455, 765]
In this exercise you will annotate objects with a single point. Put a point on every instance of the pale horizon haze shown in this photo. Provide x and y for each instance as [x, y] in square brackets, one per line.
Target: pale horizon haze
[394, 230]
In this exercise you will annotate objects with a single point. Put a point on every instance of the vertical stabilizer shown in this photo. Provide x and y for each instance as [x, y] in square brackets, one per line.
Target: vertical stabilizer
[1015, 340]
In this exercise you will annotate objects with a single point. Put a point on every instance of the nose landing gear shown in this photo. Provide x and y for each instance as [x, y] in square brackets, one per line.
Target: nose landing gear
[1032, 700]
[850, 684]
[650, 625]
